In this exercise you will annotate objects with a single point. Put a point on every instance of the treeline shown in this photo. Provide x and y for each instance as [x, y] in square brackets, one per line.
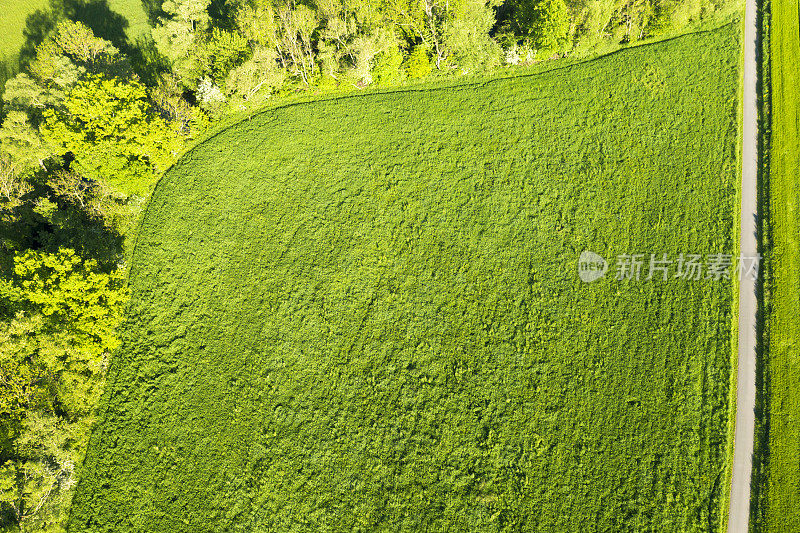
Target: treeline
[81, 144]
[87, 129]
[246, 51]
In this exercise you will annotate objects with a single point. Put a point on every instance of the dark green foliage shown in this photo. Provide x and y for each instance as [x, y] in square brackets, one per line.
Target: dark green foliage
[363, 313]
[544, 22]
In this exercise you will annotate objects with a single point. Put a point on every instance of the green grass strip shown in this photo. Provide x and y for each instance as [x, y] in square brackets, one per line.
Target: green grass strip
[780, 511]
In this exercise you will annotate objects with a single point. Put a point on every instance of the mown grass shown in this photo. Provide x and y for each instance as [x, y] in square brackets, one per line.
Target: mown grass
[364, 313]
[134, 13]
[12, 23]
[779, 468]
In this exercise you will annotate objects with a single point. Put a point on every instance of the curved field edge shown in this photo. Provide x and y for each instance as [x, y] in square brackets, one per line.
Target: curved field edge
[538, 69]
[133, 474]
[423, 86]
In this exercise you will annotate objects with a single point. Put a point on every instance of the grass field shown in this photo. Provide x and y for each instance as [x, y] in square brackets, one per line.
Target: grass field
[134, 13]
[364, 313]
[12, 23]
[778, 508]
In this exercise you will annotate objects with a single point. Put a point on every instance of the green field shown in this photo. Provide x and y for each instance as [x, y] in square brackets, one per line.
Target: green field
[364, 313]
[778, 508]
[13, 23]
[133, 12]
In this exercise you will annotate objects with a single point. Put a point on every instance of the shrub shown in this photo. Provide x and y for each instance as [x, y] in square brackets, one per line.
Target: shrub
[419, 63]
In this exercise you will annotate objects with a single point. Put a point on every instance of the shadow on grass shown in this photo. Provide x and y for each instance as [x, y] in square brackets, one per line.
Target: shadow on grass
[105, 23]
[38, 26]
[759, 476]
[97, 16]
[153, 10]
[9, 66]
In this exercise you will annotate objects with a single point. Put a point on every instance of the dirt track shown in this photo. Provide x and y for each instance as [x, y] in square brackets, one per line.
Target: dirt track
[739, 516]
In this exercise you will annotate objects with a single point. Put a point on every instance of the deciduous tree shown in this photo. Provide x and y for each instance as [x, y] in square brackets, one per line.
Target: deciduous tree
[545, 23]
[178, 36]
[107, 128]
[59, 317]
[466, 35]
